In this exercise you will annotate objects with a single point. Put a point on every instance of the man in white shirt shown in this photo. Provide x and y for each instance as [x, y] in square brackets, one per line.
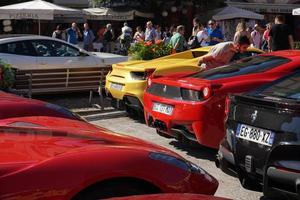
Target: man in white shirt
[150, 33]
[126, 30]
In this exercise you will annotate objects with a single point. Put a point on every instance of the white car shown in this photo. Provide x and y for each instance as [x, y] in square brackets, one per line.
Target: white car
[47, 65]
[41, 52]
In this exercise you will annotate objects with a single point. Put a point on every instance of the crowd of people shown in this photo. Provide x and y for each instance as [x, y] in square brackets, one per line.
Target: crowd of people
[272, 37]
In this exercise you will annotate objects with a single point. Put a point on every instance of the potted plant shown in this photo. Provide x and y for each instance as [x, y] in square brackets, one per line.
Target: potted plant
[7, 76]
[148, 51]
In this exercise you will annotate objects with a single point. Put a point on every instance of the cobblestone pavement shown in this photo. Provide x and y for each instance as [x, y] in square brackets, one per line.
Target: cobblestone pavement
[118, 122]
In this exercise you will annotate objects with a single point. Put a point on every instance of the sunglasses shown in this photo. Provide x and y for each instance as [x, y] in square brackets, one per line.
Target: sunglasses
[211, 24]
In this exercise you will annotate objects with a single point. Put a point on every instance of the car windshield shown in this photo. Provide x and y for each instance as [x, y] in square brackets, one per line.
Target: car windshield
[242, 67]
[288, 88]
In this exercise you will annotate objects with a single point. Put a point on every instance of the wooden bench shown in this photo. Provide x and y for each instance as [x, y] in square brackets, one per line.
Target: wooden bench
[47, 81]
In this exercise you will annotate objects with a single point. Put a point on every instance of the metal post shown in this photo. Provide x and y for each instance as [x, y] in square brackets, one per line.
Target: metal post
[30, 85]
[39, 26]
[100, 90]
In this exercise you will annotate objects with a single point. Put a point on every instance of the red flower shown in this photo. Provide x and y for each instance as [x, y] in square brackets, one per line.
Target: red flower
[149, 43]
[158, 42]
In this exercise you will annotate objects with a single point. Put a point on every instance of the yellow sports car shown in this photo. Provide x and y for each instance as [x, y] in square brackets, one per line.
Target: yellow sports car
[128, 80]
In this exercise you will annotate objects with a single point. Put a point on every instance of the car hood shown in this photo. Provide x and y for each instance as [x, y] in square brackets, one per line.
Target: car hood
[154, 64]
[29, 140]
[109, 58]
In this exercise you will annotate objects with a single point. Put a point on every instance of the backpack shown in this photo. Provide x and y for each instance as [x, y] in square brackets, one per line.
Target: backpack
[193, 42]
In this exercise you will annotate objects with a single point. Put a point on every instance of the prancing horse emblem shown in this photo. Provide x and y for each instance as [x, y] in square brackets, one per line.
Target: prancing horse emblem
[165, 89]
[253, 116]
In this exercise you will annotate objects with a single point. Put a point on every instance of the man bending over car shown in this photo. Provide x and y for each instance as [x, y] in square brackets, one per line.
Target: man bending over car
[223, 53]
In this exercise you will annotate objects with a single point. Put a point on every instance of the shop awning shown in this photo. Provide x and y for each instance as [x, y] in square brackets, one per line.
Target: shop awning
[230, 12]
[109, 14]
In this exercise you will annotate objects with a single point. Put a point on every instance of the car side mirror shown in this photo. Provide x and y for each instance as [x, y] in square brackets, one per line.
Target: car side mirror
[82, 53]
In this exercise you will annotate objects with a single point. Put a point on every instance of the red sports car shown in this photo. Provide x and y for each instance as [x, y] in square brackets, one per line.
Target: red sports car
[54, 158]
[193, 106]
[15, 106]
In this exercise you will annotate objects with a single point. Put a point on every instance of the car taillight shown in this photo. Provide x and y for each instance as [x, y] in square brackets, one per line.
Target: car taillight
[149, 81]
[149, 73]
[138, 75]
[206, 92]
[142, 75]
[191, 95]
[226, 108]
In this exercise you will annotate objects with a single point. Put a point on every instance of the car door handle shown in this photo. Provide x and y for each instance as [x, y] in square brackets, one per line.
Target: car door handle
[42, 63]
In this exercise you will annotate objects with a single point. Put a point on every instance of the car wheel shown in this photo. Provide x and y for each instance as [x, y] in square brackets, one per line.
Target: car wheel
[131, 112]
[112, 189]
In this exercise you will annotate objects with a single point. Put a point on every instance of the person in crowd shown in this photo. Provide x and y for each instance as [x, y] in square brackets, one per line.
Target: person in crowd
[215, 34]
[196, 24]
[222, 53]
[150, 33]
[172, 30]
[100, 34]
[241, 30]
[193, 41]
[126, 30]
[178, 41]
[139, 35]
[265, 43]
[108, 37]
[159, 34]
[256, 37]
[73, 34]
[88, 38]
[167, 35]
[59, 33]
[202, 36]
[280, 35]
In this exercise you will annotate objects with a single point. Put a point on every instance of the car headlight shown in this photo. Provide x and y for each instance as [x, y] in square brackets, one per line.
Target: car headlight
[182, 164]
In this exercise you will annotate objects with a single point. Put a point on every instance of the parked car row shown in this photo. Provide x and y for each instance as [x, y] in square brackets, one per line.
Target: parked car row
[49, 153]
[261, 142]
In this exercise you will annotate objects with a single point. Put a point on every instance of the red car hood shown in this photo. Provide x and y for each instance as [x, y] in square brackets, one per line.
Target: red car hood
[6, 97]
[29, 140]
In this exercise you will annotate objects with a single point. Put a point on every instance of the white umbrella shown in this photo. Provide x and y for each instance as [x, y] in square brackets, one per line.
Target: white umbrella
[230, 12]
[36, 9]
[296, 11]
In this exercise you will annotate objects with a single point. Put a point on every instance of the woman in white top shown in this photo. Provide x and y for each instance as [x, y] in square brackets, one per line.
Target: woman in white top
[139, 35]
[202, 36]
